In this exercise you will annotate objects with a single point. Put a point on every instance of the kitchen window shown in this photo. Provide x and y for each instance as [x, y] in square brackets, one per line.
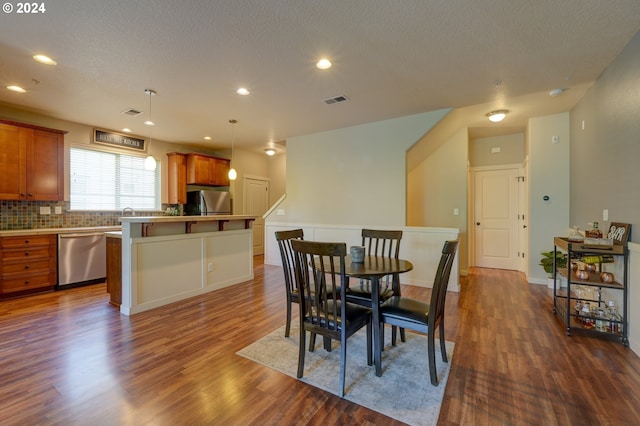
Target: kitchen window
[102, 180]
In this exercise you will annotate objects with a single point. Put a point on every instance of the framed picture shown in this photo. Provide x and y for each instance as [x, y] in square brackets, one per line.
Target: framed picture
[119, 140]
[619, 232]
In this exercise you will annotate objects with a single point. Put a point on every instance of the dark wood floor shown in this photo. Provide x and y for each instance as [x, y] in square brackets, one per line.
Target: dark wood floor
[69, 357]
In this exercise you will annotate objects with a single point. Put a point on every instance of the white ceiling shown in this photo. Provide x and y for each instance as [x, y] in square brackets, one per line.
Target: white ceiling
[391, 59]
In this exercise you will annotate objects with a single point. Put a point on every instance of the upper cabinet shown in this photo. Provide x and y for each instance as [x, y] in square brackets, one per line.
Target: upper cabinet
[206, 170]
[32, 162]
[177, 178]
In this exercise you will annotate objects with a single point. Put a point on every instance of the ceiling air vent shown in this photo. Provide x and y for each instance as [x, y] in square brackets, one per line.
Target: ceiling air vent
[336, 100]
[132, 112]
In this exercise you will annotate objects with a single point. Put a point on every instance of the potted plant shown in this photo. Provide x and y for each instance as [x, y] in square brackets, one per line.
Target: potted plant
[547, 263]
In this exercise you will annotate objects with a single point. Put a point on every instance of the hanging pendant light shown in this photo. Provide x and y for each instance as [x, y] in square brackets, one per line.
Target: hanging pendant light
[150, 162]
[232, 172]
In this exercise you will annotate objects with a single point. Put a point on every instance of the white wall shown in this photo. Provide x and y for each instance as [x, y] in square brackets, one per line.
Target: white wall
[355, 175]
[511, 150]
[438, 185]
[548, 176]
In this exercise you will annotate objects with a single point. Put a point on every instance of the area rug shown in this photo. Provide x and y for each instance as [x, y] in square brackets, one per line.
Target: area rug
[403, 392]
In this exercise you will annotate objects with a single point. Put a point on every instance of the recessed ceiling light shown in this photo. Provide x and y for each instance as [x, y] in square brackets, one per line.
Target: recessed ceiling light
[497, 115]
[270, 151]
[149, 123]
[126, 130]
[242, 91]
[207, 138]
[324, 64]
[43, 59]
[16, 89]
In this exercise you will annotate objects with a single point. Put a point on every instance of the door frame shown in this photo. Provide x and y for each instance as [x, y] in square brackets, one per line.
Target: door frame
[245, 195]
[523, 219]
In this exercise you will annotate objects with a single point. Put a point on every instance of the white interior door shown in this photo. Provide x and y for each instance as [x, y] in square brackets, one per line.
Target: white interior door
[496, 218]
[256, 203]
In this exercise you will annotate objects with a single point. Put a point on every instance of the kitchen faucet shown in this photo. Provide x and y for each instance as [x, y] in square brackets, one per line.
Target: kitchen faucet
[128, 210]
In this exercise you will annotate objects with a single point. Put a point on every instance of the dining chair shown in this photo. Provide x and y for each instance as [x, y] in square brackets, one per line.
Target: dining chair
[288, 266]
[420, 316]
[320, 277]
[379, 243]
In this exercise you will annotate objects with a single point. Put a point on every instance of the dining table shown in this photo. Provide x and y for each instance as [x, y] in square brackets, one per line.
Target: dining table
[374, 268]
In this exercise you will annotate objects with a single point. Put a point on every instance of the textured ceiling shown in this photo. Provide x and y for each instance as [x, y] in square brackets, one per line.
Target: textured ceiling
[391, 58]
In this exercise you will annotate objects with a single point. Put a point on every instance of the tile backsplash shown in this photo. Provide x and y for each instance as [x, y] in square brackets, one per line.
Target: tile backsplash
[15, 215]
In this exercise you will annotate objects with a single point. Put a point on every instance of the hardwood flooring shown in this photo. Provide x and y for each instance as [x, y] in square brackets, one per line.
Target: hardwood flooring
[70, 358]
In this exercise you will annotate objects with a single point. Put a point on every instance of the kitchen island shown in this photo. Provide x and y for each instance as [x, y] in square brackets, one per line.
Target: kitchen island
[171, 258]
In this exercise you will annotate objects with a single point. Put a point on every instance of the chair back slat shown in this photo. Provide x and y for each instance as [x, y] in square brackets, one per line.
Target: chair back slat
[441, 284]
[381, 242]
[319, 270]
[286, 253]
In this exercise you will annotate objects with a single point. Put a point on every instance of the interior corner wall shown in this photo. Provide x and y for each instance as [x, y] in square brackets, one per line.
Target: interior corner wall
[548, 177]
[354, 175]
[437, 186]
[277, 172]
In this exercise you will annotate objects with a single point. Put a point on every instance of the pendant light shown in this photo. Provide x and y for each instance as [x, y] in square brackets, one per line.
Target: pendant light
[150, 162]
[232, 172]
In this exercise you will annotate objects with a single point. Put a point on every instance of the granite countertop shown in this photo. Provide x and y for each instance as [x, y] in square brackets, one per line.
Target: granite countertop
[46, 231]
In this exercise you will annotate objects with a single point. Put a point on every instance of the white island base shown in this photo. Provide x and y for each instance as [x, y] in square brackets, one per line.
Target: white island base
[166, 259]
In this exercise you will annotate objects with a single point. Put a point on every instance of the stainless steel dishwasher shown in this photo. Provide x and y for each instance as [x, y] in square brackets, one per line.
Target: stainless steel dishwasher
[82, 258]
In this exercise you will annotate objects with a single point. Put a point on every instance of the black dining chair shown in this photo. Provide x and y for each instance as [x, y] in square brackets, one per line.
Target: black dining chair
[288, 266]
[320, 277]
[422, 317]
[379, 243]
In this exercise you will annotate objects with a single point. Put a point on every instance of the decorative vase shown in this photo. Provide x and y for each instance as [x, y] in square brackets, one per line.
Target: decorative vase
[582, 275]
[607, 277]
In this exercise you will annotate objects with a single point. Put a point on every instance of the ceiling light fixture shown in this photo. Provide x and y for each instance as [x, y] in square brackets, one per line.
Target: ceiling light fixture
[497, 115]
[150, 162]
[232, 172]
[324, 64]
[556, 92]
[126, 130]
[16, 89]
[207, 138]
[270, 151]
[43, 59]
[242, 91]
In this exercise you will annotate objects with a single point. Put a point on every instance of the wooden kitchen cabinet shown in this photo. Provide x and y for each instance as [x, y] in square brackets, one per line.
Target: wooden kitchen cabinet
[32, 161]
[28, 264]
[114, 269]
[206, 170]
[177, 178]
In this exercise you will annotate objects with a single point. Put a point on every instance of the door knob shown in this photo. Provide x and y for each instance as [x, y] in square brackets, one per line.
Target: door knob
[478, 223]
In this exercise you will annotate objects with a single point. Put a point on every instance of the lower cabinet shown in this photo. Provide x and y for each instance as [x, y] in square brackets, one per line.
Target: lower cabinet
[28, 264]
[114, 269]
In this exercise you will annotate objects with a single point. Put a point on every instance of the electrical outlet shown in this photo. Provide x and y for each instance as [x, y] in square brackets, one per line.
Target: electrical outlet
[280, 212]
[45, 210]
[456, 212]
[605, 214]
[58, 210]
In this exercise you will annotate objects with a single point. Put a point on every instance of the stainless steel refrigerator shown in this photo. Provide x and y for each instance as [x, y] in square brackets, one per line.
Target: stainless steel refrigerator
[207, 202]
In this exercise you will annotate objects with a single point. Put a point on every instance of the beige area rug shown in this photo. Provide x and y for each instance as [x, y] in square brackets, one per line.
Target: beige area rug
[403, 392]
